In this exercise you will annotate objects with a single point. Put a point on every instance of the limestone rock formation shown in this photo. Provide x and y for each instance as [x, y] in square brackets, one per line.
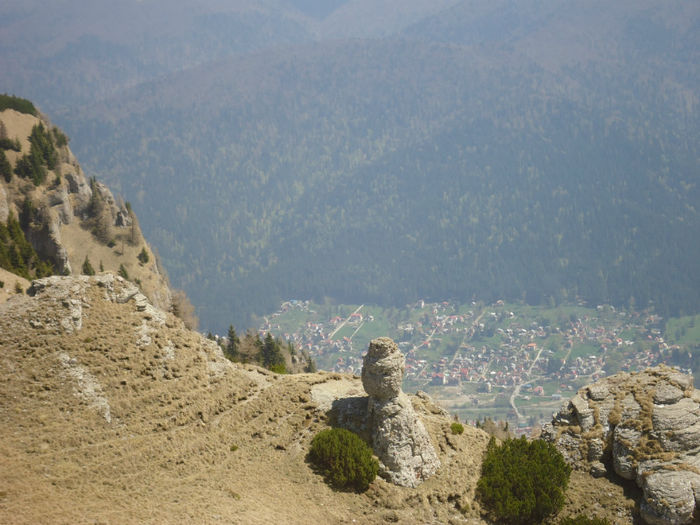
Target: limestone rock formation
[646, 427]
[399, 439]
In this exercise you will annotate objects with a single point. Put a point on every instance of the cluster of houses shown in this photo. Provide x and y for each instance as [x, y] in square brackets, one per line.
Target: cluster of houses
[491, 346]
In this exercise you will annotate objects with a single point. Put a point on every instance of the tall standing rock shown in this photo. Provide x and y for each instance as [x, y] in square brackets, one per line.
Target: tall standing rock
[399, 439]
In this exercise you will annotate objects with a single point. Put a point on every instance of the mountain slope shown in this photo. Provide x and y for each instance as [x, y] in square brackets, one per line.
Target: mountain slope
[387, 171]
[533, 151]
[114, 412]
[72, 222]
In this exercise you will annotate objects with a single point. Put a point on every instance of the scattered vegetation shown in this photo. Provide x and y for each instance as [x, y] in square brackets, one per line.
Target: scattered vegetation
[16, 253]
[123, 273]
[99, 220]
[270, 352]
[143, 256]
[42, 156]
[498, 429]
[6, 142]
[523, 482]
[345, 459]
[87, 267]
[5, 167]
[18, 104]
[457, 428]
[18, 288]
[60, 138]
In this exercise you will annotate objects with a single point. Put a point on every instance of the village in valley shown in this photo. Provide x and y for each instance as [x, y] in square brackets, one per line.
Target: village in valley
[502, 361]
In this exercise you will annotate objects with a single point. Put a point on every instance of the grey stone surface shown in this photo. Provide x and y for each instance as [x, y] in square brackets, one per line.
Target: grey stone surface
[666, 394]
[382, 369]
[650, 423]
[625, 440]
[399, 438]
[676, 416]
[4, 206]
[669, 497]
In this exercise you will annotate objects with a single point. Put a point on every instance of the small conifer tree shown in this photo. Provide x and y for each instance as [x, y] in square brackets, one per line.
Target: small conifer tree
[345, 459]
[523, 482]
[87, 267]
[143, 256]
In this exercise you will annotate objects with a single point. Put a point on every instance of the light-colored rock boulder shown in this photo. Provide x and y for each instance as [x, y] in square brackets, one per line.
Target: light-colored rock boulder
[680, 415]
[669, 497]
[626, 440]
[648, 425]
[382, 369]
[399, 438]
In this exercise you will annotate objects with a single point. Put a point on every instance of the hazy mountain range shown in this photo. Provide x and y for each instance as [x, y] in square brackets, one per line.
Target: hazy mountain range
[385, 151]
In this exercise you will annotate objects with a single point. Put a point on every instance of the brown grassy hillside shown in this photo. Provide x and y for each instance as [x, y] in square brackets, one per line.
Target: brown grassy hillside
[111, 411]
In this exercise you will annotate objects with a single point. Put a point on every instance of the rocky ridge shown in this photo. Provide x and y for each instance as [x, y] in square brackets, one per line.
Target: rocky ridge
[644, 427]
[112, 411]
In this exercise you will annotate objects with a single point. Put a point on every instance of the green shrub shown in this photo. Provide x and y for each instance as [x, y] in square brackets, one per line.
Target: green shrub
[123, 273]
[583, 520]
[278, 368]
[87, 267]
[21, 105]
[457, 428]
[143, 256]
[5, 167]
[8, 143]
[523, 481]
[346, 460]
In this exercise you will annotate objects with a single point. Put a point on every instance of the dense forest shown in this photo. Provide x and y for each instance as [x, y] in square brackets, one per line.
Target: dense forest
[475, 150]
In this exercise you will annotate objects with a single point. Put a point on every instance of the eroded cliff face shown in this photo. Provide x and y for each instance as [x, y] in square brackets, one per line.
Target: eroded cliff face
[68, 217]
[644, 427]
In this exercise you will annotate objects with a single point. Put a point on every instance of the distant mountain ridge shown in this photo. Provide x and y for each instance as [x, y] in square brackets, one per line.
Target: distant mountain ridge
[535, 150]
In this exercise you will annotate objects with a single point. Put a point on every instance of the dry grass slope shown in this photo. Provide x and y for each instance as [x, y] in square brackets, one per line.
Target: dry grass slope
[112, 412]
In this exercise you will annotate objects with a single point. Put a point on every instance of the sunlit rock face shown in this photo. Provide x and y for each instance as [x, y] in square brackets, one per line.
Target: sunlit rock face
[646, 427]
[399, 438]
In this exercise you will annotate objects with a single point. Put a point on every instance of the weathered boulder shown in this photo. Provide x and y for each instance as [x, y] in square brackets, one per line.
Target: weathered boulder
[399, 438]
[646, 427]
[382, 369]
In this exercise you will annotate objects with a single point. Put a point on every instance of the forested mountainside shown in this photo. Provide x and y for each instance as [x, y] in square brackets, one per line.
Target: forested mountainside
[529, 150]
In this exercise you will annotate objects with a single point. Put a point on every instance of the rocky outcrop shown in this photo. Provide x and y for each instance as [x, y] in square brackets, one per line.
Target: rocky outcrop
[46, 240]
[645, 427]
[399, 439]
[4, 207]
